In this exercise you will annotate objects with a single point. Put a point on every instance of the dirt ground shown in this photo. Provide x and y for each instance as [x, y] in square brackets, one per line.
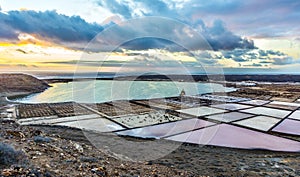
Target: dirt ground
[279, 92]
[57, 151]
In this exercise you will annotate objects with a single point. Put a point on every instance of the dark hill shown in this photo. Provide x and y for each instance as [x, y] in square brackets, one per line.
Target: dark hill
[12, 84]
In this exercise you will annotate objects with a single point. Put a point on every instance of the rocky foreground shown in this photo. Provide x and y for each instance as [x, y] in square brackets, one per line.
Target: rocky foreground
[56, 151]
[29, 151]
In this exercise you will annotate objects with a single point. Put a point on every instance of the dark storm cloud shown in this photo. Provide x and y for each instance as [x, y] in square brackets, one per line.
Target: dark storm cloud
[149, 33]
[221, 38]
[151, 43]
[263, 18]
[74, 32]
[6, 31]
[217, 35]
[48, 24]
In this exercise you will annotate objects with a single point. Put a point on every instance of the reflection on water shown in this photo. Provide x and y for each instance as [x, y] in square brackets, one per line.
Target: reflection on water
[104, 90]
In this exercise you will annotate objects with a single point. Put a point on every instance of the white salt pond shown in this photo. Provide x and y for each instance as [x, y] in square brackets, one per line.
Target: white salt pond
[263, 123]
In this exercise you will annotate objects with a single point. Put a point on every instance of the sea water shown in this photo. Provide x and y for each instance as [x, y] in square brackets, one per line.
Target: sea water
[97, 91]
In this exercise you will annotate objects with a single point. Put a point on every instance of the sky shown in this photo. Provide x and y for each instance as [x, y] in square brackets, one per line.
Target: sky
[94, 35]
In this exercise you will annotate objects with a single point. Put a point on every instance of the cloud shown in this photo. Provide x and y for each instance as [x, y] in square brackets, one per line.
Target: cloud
[263, 53]
[152, 43]
[242, 55]
[286, 60]
[154, 60]
[207, 57]
[137, 8]
[217, 35]
[91, 63]
[239, 59]
[158, 7]
[222, 39]
[181, 10]
[212, 7]
[254, 65]
[149, 33]
[252, 57]
[117, 7]
[21, 51]
[22, 65]
[48, 24]
[159, 58]
[268, 18]
[74, 32]
[272, 52]
[265, 62]
[140, 31]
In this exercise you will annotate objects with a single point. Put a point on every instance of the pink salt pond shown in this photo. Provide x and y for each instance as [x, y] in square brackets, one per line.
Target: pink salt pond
[166, 129]
[288, 126]
[236, 137]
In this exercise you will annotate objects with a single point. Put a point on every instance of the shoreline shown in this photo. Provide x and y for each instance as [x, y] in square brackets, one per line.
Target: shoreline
[190, 78]
[187, 160]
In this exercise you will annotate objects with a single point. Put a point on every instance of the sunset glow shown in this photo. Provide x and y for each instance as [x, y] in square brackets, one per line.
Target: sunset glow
[52, 37]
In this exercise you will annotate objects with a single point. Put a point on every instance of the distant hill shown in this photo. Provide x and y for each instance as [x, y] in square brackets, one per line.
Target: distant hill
[15, 84]
[232, 78]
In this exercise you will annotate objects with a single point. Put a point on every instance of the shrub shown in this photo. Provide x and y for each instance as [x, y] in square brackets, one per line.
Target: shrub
[41, 139]
[9, 156]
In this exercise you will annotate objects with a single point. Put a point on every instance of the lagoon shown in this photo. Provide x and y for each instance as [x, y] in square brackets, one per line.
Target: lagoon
[98, 91]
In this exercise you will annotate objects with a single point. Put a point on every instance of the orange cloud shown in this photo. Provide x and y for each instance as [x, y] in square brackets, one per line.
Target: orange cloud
[25, 39]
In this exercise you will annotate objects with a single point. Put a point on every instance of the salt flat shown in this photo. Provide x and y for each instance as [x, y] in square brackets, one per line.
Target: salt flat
[54, 120]
[263, 123]
[295, 115]
[267, 112]
[288, 126]
[99, 125]
[201, 111]
[236, 137]
[166, 129]
[146, 119]
[229, 117]
[231, 106]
